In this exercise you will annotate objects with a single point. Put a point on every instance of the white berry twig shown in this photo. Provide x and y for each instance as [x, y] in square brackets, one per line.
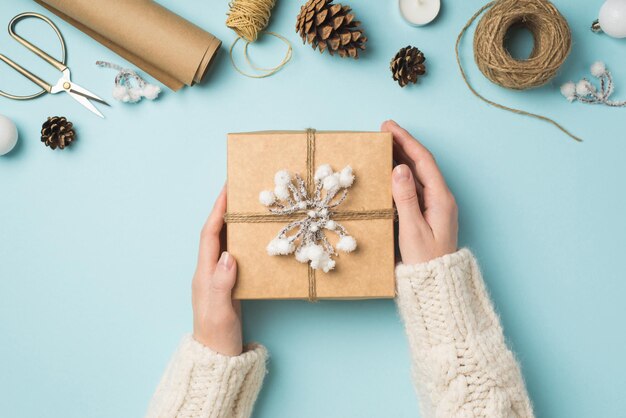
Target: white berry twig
[306, 237]
[585, 92]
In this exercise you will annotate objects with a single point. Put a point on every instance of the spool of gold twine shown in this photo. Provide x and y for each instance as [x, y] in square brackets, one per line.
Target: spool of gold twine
[552, 45]
[248, 18]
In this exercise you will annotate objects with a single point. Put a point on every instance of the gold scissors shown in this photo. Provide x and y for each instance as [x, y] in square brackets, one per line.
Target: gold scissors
[64, 84]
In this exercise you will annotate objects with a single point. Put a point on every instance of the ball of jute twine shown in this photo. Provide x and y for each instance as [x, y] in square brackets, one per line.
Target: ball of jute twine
[552, 45]
[248, 18]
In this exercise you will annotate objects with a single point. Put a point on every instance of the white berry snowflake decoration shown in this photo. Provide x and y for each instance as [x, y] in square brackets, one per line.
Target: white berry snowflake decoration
[585, 92]
[306, 237]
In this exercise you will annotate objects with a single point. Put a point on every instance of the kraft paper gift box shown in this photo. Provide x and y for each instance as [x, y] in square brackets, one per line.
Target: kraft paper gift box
[366, 214]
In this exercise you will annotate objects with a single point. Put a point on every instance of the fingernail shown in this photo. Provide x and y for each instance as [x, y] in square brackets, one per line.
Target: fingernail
[226, 261]
[401, 173]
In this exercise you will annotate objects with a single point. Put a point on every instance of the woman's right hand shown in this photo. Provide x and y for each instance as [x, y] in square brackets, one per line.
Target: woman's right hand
[427, 210]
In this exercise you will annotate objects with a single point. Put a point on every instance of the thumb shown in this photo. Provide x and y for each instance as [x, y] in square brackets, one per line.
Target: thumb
[222, 282]
[405, 195]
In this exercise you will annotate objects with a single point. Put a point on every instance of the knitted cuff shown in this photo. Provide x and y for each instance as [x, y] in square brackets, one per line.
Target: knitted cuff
[445, 297]
[204, 384]
[461, 365]
[430, 268]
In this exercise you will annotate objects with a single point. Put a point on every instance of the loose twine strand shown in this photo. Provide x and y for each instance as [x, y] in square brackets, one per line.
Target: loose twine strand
[248, 18]
[552, 40]
[347, 215]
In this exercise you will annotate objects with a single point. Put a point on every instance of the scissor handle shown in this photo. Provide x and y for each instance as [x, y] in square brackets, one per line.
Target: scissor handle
[32, 77]
[42, 54]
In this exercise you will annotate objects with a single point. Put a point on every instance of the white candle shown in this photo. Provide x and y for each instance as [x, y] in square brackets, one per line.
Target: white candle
[419, 12]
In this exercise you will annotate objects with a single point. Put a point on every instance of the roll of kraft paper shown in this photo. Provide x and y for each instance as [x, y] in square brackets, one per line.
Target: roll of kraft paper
[171, 49]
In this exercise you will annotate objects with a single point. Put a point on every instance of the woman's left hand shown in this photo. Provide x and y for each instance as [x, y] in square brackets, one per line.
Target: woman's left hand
[216, 316]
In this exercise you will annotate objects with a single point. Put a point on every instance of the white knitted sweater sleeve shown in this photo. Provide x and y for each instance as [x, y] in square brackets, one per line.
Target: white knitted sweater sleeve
[462, 367]
[200, 383]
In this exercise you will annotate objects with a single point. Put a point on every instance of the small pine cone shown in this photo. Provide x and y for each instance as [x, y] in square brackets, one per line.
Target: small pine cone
[408, 65]
[57, 132]
[330, 27]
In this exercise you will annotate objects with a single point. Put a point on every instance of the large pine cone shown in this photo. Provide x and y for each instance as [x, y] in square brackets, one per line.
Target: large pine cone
[57, 132]
[408, 65]
[330, 27]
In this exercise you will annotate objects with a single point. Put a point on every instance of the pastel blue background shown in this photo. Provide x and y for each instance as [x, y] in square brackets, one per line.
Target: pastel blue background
[98, 242]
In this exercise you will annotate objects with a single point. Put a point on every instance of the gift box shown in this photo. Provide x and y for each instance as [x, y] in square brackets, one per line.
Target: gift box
[310, 214]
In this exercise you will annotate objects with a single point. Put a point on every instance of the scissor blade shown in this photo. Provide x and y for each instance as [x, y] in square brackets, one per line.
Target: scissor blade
[86, 93]
[85, 102]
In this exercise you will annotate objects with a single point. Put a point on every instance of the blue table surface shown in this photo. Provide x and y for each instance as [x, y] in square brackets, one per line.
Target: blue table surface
[98, 242]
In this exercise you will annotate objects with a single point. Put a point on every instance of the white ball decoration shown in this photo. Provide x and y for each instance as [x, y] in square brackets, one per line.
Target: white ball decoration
[568, 90]
[331, 225]
[323, 171]
[151, 92]
[315, 252]
[612, 18]
[346, 244]
[302, 255]
[267, 198]
[134, 94]
[8, 135]
[346, 178]
[331, 182]
[282, 178]
[328, 265]
[598, 69]
[281, 192]
[120, 93]
[583, 87]
[280, 246]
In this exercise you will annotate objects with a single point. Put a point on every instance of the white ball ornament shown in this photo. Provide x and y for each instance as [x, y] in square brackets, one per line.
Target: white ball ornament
[598, 69]
[330, 264]
[302, 255]
[282, 178]
[134, 94]
[281, 192]
[568, 90]
[323, 171]
[120, 93]
[280, 246]
[150, 91]
[346, 178]
[583, 88]
[267, 198]
[612, 18]
[347, 244]
[331, 182]
[8, 135]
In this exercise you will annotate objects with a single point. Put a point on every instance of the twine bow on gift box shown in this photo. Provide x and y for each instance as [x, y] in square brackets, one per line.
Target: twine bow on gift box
[291, 216]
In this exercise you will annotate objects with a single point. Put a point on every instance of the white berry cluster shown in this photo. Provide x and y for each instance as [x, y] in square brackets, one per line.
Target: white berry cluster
[306, 237]
[129, 86]
[586, 92]
[132, 94]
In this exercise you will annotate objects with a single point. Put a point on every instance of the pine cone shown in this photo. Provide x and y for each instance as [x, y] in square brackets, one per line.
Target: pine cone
[330, 27]
[57, 132]
[408, 65]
